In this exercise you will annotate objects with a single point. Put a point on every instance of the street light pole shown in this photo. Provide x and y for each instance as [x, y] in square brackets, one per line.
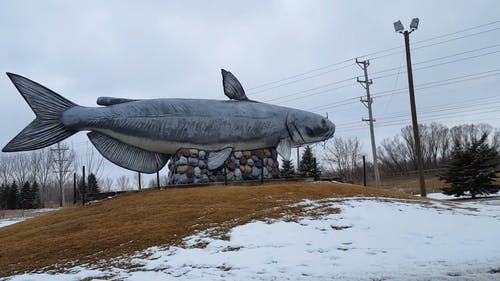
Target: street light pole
[416, 135]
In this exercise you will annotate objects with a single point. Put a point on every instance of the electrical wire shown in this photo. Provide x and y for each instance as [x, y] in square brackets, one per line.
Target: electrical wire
[383, 51]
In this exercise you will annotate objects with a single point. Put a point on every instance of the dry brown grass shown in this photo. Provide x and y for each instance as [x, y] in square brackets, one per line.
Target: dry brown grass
[410, 184]
[136, 221]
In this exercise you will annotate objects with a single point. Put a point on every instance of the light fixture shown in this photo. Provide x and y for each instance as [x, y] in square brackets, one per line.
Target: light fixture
[414, 24]
[398, 27]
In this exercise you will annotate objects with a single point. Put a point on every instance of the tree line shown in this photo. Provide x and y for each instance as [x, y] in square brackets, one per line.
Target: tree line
[48, 168]
[342, 157]
[14, 197]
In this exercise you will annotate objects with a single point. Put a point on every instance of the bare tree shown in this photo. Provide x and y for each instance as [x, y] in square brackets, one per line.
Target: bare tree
[344, 156]
[63, 162]
[123, 183]
[107, 184]
[44, 173]
[394, 155]
[20, 167]
[5, 169]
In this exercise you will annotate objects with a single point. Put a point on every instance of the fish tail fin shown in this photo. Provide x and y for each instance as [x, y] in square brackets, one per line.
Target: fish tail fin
[48, 107]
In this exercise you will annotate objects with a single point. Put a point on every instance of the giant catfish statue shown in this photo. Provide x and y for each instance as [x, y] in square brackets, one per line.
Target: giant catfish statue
[141, 135]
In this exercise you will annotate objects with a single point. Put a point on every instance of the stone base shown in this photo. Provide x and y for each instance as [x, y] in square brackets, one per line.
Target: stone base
[190, 166]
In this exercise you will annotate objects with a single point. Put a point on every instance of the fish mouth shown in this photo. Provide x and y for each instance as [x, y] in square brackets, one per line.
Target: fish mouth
[331, 132]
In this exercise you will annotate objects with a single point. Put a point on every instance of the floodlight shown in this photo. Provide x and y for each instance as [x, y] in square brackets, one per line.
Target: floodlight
[398, 26]
[414, 23]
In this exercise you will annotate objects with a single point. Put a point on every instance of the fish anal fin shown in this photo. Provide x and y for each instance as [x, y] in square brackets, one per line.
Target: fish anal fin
[285, 148]
[217, 158]
[127, 156]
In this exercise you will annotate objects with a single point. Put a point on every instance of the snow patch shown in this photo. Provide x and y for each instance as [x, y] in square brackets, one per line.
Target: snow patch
[367, 240]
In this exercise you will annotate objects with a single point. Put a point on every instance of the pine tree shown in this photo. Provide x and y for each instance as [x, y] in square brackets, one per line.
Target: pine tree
[472, 169]
[3, 196]
[287, 170]
[308, 166]
[26, 197]
[12, 196]
[93, 187]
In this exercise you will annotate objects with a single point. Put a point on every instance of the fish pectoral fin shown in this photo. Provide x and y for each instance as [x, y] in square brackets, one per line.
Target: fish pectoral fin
[217, 158]
[232, 87]
[285, 148]
[107, 101]
[127, 156]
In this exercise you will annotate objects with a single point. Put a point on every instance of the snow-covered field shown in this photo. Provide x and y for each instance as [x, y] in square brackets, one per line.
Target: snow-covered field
[369, 239]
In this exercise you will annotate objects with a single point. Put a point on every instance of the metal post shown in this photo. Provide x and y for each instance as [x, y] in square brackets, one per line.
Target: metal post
[139, 179]
[315, 170]
[74, 188]
[84, 189]
[262, 171]
[157, 176]
[364, 171]
[225, 174]
[364, 65]
[416, 134]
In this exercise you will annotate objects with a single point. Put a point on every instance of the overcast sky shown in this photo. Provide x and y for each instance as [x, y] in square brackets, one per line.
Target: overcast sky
[167, 49]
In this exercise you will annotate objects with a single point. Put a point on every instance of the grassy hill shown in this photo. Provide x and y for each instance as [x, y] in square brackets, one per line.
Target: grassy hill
[136, 221]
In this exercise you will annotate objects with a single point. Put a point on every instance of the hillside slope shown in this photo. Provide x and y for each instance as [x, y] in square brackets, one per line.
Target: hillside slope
[136, 221]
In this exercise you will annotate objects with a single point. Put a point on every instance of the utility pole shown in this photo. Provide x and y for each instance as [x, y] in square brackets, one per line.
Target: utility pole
[364, 171]
[368, 103]
[59, 161]
[398, 26]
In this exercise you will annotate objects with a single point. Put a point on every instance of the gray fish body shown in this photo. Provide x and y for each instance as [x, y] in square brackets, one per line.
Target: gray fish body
[165, 125]
[141, 135]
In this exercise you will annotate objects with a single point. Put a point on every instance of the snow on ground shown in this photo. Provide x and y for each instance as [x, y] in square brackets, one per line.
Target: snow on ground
[6, 222]
[441, 196]
[368, 240]
[27, 215]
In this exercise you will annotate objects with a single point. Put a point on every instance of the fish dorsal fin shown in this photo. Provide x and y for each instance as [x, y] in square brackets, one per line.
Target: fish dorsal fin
[232, 87]
[285, 148]
[107, 101]
[127, 156]
[217, 158]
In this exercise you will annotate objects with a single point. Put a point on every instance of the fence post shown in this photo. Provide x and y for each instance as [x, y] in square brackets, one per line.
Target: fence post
[84, 190]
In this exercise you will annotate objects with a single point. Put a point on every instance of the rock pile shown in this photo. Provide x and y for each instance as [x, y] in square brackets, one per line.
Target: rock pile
[190, 166]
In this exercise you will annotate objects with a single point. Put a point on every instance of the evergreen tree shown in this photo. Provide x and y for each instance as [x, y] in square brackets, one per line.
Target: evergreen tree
[307, 165]
[3, 196]
[472, 169]
[26, 196]
[12, 196]
[93, 187]
[287, 170]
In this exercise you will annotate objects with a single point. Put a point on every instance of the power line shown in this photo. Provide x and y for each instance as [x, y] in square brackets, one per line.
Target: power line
[423, 86]
[407, 121]
[443, 82]
[378, 52]
[437, 43]
[393, 74]
[440, 58]
[298, 80]
[439, 64]
[300, 74]
[313, 94]
[401, 119]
